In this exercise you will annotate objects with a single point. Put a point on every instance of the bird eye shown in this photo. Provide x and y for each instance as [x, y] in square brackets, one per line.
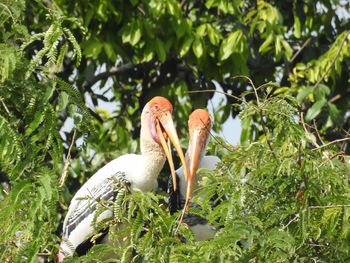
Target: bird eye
[155, 107]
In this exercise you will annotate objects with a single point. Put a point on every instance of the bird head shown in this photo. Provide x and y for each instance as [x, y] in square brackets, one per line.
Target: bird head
[199, 125]
[163, 131]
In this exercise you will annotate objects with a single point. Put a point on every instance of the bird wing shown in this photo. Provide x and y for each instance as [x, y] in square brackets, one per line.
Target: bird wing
[85, 205]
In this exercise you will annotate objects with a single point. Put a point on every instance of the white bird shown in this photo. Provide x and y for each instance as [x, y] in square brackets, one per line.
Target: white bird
[131, 170]
[199, 124]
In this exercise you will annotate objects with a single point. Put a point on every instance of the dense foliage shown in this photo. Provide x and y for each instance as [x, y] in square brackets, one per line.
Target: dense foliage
[287, 182]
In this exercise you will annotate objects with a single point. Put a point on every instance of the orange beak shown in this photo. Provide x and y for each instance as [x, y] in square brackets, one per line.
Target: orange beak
[166, 122]
[195, 150]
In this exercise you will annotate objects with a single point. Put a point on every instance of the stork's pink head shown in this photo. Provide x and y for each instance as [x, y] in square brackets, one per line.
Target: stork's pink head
[162, 129]
[199, 124]
[199, 119]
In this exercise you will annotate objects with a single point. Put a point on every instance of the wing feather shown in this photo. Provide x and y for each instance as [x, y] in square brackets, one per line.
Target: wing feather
[84, 206]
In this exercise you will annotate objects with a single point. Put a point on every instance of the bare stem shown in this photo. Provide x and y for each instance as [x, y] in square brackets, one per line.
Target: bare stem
[330, 143]
[317, 132]
[300, 49]
[327, 206]
[67, 162]
[291, 221]
[261, 115]
[307, 131]
[219, 91]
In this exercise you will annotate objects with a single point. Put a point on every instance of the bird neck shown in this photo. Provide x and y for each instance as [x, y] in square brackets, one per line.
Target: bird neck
[146, 174]
[151, 151]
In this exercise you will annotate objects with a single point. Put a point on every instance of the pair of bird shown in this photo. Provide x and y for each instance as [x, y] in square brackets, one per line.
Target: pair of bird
[141, 172]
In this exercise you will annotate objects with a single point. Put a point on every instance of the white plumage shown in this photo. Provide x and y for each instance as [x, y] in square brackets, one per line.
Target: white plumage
[136, 171]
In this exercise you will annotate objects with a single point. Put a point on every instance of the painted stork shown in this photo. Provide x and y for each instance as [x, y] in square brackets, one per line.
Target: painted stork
[135, 171]
[199, 124]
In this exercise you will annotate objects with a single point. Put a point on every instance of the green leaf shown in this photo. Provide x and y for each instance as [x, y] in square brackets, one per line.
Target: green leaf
[197, 47]
[315, 109]
[211, 3]
[110, 51]
[38, 119]
[214, 36]
[134, 2]
[135, 32]
[230, 44]
[160, 50]
[180, 27]
[63, 100]
[246, 134]
[264, 46]
[92, 48]
[60, 58]
[296, 26]
[288, 50]
[335, 114]
[303, 93]
[186, 45]
[173, 7]
[201, 30]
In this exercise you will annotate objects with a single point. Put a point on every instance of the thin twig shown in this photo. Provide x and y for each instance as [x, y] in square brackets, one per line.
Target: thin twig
[299, 154]
[180, 218]
[333, 61]
[330, 143]
[307, 131]
[300, 49]
[67, 162]
[182, 3]
[220, 143]
[317, 132]
[335, 98]
[219, 91]
[332, 157]
[343, 147]
[327, 206]
[141, 10]
[256, 188]
[9, 11]
[291, 221]
[5, 107]
[261, 115]
[6, 191]
[208, 129]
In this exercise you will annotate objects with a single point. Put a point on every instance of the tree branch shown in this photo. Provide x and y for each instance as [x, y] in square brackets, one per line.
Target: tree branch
[300, 49]
[332, 142]
[116, 71]
[327, 206]
[333, 61]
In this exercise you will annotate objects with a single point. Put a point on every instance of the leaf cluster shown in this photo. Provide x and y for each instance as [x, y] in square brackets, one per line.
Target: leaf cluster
[31, 147]
[286, 201]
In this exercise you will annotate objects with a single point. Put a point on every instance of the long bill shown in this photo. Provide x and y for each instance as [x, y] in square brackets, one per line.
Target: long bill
[195, 151]
[169, 127]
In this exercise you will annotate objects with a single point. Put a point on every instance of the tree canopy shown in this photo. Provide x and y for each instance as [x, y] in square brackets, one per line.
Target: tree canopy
[284, 69]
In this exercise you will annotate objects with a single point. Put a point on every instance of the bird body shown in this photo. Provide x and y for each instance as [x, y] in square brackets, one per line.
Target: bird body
[130, 170]
[199, 127]
[199, 226]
